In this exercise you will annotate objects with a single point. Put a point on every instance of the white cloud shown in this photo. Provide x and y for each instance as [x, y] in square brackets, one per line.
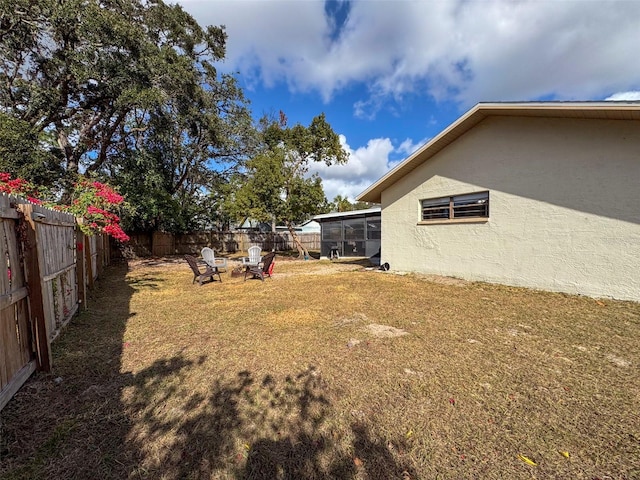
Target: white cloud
[389, 52]
[408, 146]
[632, 96]
[365, 165]
[469, 51]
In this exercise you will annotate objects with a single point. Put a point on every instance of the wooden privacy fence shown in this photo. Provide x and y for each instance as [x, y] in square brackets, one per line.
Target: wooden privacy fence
[49, 264]
[17, 332]
[161, 244]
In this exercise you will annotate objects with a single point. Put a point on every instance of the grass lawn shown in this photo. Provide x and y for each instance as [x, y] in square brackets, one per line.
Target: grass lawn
[331, 371]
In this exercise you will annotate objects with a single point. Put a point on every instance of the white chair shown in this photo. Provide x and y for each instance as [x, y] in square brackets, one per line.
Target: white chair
[210, 259]
[254, 257]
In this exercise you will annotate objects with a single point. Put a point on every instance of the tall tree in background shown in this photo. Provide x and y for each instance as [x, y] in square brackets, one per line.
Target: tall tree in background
[123, 90]
[22, 155]
[182, 156]
[277, 186]
[342, 204]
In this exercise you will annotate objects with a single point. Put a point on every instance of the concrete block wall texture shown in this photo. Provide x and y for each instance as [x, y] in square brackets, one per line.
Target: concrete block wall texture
[564, 207]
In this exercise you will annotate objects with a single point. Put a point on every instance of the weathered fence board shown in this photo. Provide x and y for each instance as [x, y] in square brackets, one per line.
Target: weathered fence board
[93, 257]
[162, 244]
[44, 279]
[56, 242]
[17, 358]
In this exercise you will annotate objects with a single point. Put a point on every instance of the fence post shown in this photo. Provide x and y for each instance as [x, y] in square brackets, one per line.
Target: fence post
[88, 271]
[100, 252]
[106, 240]
[81, 244]
[36, 302]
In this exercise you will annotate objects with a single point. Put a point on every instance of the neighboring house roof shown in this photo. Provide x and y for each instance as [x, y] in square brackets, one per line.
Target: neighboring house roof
[284, 228]
[310, 226]
[252, 224]
[576, 110]
[308, 222]
[351, 213]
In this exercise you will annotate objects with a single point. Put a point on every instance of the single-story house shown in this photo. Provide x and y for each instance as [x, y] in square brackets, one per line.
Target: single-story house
[543, 195]
[350, 234]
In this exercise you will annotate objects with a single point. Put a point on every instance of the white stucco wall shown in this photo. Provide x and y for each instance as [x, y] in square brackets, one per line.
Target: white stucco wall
[564, 207]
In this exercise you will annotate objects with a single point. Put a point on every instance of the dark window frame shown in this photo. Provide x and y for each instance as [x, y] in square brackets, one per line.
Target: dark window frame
[455, 208]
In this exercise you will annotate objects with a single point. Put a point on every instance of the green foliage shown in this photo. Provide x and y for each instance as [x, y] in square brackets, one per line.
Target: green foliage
[125, 91]
[276, 185]
[342, 204]
[21, 155]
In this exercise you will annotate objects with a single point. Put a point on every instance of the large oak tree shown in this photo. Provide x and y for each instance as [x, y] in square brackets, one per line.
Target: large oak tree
[123, 89]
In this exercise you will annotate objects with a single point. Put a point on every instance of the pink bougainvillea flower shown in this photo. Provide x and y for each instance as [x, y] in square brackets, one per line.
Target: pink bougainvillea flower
[91, 210]
[116, 232]
[93, 201]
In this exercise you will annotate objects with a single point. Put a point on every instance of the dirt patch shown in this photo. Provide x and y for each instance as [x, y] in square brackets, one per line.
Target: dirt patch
[385, 331]
[618, 361]
[323, 268]
[157, 262]
[355, 318]
[444, 280]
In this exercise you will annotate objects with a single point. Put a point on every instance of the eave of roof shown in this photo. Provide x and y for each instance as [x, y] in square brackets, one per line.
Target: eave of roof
[350, 213]
[579, 110]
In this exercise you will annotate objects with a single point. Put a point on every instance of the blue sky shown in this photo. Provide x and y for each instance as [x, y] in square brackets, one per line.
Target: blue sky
[390, 75]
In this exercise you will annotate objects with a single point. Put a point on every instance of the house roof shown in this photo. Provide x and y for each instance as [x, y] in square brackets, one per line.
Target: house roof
[308, 222]
[578, 110]
[351, 213]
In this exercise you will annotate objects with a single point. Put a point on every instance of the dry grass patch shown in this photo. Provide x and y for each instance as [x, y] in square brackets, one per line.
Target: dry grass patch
[288, 378]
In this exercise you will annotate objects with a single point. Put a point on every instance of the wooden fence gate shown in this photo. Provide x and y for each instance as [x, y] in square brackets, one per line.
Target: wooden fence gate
[55, 236]
[17, 340]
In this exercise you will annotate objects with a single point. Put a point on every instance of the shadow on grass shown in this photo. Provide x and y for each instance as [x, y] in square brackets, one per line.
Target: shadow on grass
[90, 420]
[248, 428]
[70, 423]
[363, 262]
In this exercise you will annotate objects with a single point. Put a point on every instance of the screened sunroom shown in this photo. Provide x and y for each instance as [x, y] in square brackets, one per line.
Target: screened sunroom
[350, 234]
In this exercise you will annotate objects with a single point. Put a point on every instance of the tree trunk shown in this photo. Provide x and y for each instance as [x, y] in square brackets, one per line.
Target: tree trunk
[67, 149]
[302, 252]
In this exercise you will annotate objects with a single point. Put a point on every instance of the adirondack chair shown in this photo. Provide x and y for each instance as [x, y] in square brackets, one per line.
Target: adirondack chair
[254, 257]
[263, 269]
[210, 259]
[197, 274]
